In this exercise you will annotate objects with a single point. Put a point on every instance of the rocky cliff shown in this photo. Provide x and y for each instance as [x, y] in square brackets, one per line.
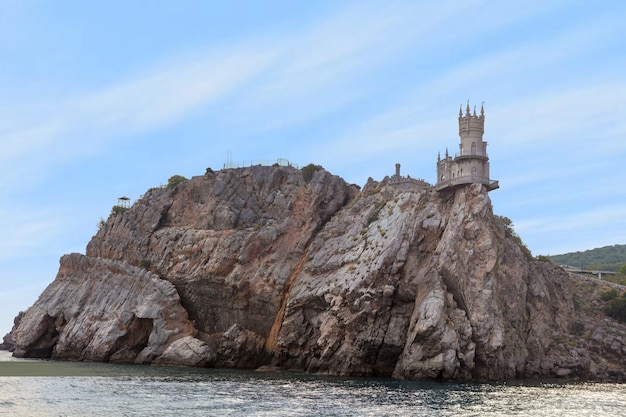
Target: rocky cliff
[255, 266]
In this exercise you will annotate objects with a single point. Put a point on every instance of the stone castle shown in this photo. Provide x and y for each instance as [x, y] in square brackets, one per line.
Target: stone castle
[471, 164]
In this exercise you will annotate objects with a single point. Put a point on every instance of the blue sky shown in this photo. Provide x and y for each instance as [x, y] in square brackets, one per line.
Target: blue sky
[104, 99]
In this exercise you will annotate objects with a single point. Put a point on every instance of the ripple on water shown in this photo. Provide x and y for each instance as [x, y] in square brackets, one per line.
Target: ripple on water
[147, 391]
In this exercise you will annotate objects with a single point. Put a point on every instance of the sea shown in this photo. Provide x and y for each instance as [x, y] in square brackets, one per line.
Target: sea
[50, 388]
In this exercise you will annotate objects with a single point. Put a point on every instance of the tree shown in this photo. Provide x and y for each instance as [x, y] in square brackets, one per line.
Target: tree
[308, 171]
[174, 181]
[510, 232]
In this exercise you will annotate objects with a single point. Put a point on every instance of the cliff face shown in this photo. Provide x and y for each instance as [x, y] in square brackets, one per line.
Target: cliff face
[254, 267]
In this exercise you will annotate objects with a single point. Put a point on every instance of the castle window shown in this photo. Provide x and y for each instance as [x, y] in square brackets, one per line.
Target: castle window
[473, 148]
[473, 172]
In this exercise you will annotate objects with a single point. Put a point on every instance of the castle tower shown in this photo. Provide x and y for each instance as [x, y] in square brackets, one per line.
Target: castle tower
[471, 164]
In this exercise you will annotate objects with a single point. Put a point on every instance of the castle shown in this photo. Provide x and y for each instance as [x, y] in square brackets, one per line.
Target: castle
[471, 163]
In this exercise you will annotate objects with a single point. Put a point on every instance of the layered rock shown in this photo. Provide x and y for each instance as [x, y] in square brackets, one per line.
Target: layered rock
[256, 266]
[102, 310]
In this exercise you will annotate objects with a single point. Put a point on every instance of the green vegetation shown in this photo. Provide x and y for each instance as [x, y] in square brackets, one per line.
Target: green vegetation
[618, 278]
[607, 294]
[145, 264]
[510, 232]
[607, 258]
[616, 308]
[308, 171]
[543, 258]
[174, 181]
[374, 214]
[115, 210]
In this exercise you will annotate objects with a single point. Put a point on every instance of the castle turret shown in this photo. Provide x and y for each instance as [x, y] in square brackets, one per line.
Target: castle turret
[471, 130]
[471, 164]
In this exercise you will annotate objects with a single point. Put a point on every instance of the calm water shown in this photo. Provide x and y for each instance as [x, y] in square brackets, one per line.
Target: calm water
[80, 389]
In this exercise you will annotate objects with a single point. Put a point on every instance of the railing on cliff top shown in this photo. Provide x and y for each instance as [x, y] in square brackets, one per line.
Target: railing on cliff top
[265, 162]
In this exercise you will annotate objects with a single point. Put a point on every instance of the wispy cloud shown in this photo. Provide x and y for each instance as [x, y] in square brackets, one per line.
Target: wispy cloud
[563, 115]
[26, 231]
[556, 113]
[162, 96]
[167, 95]
[569, 232]
[329, 65]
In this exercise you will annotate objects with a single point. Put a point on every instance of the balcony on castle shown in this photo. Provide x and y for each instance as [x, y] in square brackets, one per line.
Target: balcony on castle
[460, 155]
[464, 180]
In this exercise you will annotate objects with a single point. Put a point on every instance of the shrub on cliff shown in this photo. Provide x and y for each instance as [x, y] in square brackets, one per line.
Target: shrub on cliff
[607, 294]
[308, 171]
[118, 210]
[174, 181]
[511, 233]
[616, 308]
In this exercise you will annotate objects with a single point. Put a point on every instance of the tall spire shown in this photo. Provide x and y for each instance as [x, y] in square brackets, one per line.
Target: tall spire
[438, 156]
[460, 110]
[474, 111]
[446, 152]
[467, 113]
[482, 109]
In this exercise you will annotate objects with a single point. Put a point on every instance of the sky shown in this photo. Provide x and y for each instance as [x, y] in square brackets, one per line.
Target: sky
[106, 99]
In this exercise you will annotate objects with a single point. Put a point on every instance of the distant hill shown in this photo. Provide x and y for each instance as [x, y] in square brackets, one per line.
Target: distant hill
[609, 258]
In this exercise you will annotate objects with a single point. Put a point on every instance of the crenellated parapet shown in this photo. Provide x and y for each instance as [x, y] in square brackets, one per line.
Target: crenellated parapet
[471, 122]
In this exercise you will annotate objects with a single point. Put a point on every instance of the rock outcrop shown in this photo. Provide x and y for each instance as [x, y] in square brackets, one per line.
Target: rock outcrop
[257, 267]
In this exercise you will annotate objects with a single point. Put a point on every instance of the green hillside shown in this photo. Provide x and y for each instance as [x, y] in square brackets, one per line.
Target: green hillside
[608, 258]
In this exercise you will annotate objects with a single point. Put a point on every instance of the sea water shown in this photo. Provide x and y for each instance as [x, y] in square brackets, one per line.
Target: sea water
[47, 388]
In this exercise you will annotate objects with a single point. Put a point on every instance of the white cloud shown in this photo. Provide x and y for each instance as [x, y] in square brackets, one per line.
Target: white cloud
[83, 125]
[167, 95]
[605, 216]
[26, 231]
[329, 65]
[562, 116]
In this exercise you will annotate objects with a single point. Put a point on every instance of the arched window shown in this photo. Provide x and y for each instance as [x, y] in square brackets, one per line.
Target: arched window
[473, 172]
[473, 148]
